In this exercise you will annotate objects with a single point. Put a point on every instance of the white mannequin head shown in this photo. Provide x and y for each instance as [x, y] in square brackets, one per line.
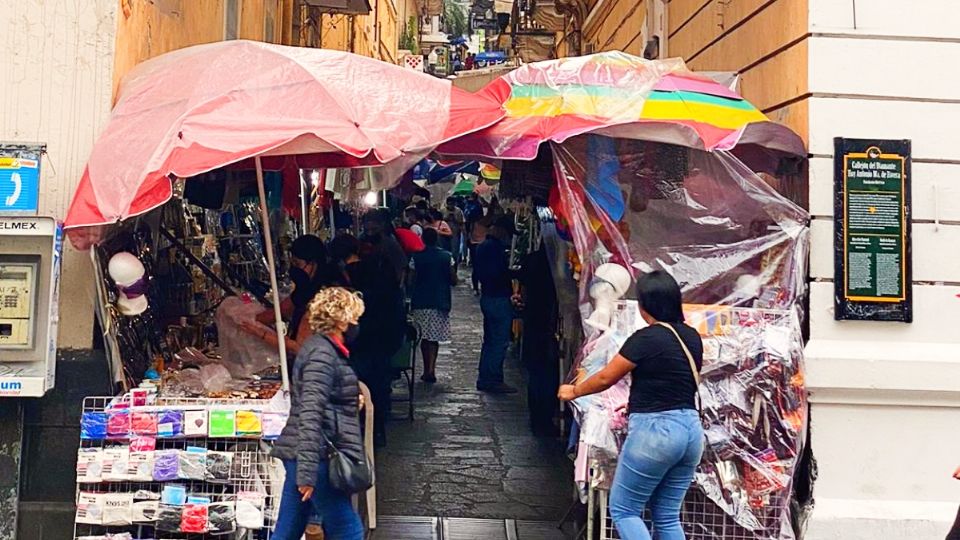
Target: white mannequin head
[610, 282]
[128, 273]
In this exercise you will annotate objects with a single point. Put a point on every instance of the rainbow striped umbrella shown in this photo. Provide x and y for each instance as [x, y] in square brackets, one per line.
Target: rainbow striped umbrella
[618, 95]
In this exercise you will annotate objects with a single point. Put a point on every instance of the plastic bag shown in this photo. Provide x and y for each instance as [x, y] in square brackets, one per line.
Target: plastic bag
[216, 378]
[244, 355]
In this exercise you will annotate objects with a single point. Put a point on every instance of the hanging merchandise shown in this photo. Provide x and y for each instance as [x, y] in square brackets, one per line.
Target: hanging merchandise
[738, 250]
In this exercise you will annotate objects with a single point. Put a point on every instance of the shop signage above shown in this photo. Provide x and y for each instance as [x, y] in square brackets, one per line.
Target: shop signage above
[872, 230]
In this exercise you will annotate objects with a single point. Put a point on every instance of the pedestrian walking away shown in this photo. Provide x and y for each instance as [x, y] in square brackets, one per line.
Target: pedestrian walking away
[665, 437]
[433, 273]
[324, 406]
[492, 269]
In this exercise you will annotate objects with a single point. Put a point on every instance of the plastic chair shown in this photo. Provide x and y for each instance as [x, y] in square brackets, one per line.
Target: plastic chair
[405, 361]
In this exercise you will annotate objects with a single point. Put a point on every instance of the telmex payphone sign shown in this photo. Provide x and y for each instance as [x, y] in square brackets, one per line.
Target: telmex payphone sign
[30, 252]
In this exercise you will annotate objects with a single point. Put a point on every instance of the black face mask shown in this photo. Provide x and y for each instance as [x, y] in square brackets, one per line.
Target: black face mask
[352, 333]
[299, 277]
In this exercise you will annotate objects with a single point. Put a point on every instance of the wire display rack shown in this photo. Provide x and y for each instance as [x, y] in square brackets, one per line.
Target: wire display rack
[700, 517]
[253, 474]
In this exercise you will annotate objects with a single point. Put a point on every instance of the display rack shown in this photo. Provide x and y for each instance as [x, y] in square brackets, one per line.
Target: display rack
[252, 471]
[700, 517]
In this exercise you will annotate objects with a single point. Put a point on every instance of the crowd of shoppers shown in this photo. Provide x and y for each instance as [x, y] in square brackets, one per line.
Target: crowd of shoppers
[347, 315]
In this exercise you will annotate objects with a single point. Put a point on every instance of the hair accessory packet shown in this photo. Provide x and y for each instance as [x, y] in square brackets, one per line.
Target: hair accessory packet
[89, 465]
[195, 515]
[273, 424]
[143, 423]
[222, 518]
[166, 465]
[141, 466]
[170, 424]
[89, 508]
[195, 423]
[193, 463]
[116, 464]
[117, 508]
[144, 511]
[169, 517]
[143, 444]
[219, 465]
[93, 426]
[250, 510]
[249, 423]
[174, 494]
[118, 424]
[223, 423]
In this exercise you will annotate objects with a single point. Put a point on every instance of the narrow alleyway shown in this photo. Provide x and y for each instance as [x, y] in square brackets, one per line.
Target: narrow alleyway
[467, 454]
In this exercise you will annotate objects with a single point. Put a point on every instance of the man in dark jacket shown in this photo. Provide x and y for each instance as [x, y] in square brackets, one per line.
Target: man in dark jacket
[492, 268]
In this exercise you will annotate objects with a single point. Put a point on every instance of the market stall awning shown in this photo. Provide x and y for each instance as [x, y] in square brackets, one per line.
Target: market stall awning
[618, 95]
[201, 108]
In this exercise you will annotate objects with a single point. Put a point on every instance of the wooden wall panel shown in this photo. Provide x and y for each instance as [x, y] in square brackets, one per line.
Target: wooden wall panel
[716, 19]
[252, 14]
[762, 35]
[620, 28]
[147, 32]
[681, 11]
[778, 80]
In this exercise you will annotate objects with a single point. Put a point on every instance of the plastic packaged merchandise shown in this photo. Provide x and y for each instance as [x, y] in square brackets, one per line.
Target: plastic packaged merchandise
[89, 465]
[169, 517]
[118, 424]
[222, 517]
[117, 509]
[219, 466]
[193, 463]
[738, 249]
[170, 423]
[93, 426]
[166, 465]
[195, 518]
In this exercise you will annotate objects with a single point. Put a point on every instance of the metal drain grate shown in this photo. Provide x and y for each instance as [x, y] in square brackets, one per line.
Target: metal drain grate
[430, 528]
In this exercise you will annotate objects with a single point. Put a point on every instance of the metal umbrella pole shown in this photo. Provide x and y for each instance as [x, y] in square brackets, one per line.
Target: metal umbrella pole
[272, 269]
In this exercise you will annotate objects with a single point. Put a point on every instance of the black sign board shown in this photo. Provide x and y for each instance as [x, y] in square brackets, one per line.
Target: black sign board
[873, 274]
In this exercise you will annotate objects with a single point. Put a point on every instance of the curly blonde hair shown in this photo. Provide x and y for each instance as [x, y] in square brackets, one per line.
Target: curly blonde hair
[333, 307]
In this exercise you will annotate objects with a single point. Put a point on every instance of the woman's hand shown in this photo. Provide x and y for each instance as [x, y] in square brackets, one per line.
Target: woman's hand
[253, 329]
[567, 392]
[306, 491]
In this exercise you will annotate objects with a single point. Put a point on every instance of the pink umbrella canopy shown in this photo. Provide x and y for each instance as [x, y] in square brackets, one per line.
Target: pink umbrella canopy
[204, 107]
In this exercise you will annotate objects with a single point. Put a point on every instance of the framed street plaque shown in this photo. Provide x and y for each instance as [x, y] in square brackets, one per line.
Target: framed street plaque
[873, 273]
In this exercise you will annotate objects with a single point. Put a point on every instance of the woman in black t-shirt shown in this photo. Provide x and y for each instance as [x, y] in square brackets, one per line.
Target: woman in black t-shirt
[665, 439]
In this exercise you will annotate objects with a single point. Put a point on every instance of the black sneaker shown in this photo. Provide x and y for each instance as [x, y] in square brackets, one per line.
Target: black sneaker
[498, 388]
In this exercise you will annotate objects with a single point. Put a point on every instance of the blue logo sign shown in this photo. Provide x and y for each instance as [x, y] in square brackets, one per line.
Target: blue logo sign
[19, 185]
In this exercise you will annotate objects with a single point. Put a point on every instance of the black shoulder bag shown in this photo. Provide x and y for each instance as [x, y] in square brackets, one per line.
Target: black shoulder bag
[347, 474]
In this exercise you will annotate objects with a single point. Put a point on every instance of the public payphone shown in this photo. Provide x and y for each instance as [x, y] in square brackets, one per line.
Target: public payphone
[30, 251]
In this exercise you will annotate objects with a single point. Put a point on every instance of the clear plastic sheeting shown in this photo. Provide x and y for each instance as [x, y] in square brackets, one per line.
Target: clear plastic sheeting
[718, 228]
[738, 248]
[616, 94]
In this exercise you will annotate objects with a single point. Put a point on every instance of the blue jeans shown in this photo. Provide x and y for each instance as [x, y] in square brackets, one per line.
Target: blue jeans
[657, 464]
[497, 326]
[330, 507]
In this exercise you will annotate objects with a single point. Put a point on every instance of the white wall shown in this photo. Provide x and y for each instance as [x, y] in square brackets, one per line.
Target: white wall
[57, 63]
[886, 396]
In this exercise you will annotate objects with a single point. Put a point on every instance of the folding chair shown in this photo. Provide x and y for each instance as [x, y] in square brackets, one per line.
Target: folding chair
[405, 362]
